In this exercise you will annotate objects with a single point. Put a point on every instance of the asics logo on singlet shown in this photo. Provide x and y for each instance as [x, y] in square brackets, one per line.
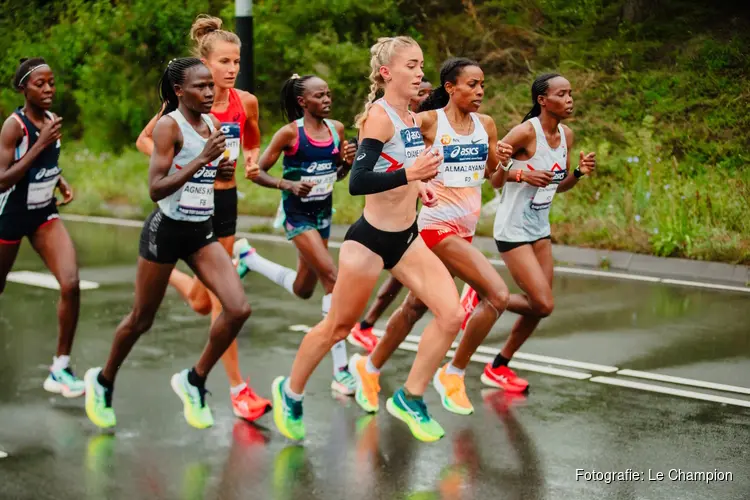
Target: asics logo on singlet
[205, 172]
[413, 135]
[318, 167]
[43, 172]
[464, 152]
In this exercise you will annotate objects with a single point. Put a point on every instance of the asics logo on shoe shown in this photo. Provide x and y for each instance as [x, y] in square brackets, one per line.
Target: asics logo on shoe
[411, 412]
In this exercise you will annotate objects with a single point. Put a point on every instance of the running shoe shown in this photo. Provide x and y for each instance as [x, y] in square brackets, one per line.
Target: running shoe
[240, 250]
[248, 405]
[287, 413]
[452, 391]
[363, 338]
[414, 413]
[368, 384]
[469, 301]
[196, 411]
[504, 378]
[98, 400]
[64, 382]
[344, 383]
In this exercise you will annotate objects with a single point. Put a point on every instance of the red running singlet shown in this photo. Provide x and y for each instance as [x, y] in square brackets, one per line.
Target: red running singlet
[235, 112]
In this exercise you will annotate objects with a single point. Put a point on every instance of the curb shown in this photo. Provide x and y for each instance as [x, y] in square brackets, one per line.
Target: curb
[590, 258]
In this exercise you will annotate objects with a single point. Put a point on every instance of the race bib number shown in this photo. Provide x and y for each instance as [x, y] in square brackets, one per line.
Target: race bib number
[42, 187]
[464, 164]
[197, 196]
[413, 145]
[543, 197]
[232, 133]
[323, 186]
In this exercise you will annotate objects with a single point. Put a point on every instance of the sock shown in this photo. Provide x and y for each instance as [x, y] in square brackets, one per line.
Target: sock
[452, 370]
[196, 380]
[340, 360]
[282, 276]
[410, 396]
[364, 325]
[291, 394]
[326, 306]
[499, 361]
[60, 363]
[237, 389]
[370, 367]
[104, 382]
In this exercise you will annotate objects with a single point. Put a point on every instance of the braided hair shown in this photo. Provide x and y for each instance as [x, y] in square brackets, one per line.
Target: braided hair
[449, 72]
[174, 75]
[292, 89]
[27, 66]
[380, 55]
[539, 87]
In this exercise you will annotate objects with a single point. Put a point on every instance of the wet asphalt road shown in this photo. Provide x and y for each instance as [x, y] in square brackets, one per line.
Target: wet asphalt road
[525, 447]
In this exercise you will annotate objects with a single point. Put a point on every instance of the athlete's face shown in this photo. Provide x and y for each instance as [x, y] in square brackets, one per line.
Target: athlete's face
[39, 87]
[316, 98]
[559, 99]
[197, 91]
[405, 71]
[468, 91]
[425, 89]
[224, 63]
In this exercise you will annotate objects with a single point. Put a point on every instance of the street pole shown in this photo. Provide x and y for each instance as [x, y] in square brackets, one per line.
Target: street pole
[243, 12]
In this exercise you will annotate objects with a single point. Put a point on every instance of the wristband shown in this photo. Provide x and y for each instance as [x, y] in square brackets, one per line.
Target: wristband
[505, 167]
[518, 175]
[577, 173]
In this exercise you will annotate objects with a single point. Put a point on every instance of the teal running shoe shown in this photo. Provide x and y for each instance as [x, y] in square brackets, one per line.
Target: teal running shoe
[64, 382]
[344, 383]
[287, 413]
[414, 413]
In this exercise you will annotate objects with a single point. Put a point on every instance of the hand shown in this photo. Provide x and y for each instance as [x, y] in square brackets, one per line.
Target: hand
[66, 191]
[252, 170]
[504, 152]
[50, 132]
[425, 167]
[215, 146]
[587, 164]
[538, 178]
[348, 151]
[427, 195]
[301, 189]
[225, 169]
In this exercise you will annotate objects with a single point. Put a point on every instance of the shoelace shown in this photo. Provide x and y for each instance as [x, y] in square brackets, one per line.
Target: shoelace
[424, 415]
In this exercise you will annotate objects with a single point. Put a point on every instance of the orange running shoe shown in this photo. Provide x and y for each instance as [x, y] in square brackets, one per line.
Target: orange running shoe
[452, 391]
[504, 378]
[368, 384]
[363, 338]
[248, 405]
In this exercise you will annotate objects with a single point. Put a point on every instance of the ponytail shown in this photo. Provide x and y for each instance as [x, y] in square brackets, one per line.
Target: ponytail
[539, 88]
[449, 72]
[292, 89]
[174, 75]
[437, 99]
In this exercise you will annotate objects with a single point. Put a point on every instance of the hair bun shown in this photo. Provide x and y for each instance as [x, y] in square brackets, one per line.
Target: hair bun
[203, 25]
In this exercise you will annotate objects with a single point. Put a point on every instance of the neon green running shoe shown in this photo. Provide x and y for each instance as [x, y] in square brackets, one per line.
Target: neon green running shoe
[196, 411]
[287, 413]
[414, 413]
[98, 400]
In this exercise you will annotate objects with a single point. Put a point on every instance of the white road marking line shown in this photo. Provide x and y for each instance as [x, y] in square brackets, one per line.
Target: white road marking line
[668, 390]
[525, 356]
[478, 358]
[497, 262]
[44, 280]
[684, 381]
[3, 454]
